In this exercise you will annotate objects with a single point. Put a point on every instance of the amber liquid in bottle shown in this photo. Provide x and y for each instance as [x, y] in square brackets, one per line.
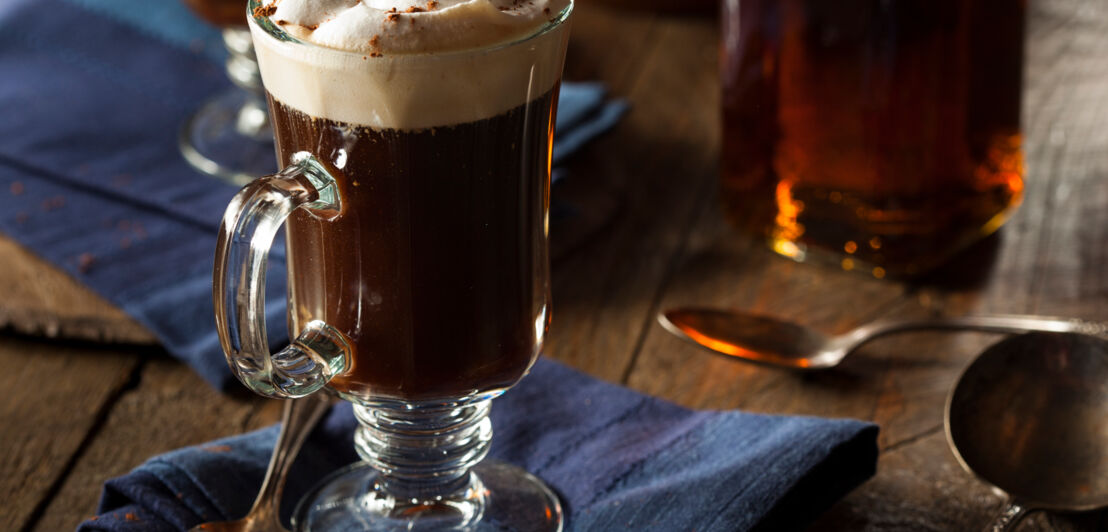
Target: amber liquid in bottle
[883, 135]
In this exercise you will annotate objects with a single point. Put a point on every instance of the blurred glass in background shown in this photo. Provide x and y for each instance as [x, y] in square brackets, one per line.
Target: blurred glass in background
[230, 136]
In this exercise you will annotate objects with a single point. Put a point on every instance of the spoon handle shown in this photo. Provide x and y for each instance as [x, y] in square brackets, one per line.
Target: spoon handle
[299, 418]
[1016, 323]
[1008, 519]
[1002, 323]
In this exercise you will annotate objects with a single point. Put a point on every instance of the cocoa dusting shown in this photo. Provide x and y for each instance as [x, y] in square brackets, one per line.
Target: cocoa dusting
[432, 5]
[414, 9]
[373, 41]
[53, 203]
[309, 27]
[375, 54]
[266, 10]
[85, 262]
[392, 17]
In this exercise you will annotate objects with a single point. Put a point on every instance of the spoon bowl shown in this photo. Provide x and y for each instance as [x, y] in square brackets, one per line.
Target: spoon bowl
[755, 338]
[776, 342]
[1030, 416]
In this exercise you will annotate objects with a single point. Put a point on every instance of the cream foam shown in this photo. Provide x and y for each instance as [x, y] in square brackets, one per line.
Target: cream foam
[403, 65]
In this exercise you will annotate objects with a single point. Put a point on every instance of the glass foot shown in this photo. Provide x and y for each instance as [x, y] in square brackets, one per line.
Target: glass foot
[503, 497]
[230, 138]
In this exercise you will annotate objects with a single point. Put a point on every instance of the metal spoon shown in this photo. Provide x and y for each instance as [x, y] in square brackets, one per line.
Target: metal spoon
[780, 343]
[297, 421]
[1030, 416]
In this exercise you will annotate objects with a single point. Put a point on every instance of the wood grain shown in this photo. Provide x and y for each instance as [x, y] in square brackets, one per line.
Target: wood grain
[56, 396]
[170, 408]
[657, 158]
[82, 414]
[41, 300]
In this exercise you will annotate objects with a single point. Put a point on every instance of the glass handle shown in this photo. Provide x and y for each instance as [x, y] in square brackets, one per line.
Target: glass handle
[252, 219]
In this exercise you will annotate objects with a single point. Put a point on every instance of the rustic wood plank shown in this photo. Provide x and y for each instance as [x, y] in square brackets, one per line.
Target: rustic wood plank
[925, 471]
[606, 45]
[657, 159]
[727, 270]
[42, 300]
[56, 394]
[170, 408]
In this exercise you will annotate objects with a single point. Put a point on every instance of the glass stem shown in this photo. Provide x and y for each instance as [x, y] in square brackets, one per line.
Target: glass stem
[252, 119]
[242, 64]
[424, 455]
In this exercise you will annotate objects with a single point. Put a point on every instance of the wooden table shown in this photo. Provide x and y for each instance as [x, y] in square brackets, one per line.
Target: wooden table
[79, 412]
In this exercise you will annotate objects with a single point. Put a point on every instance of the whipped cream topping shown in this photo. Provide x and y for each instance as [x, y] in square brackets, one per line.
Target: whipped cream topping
[412, 26]
[401, 64]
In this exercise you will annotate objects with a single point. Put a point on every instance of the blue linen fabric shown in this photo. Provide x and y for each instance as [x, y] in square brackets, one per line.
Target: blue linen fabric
[619, 460]
[94, 93]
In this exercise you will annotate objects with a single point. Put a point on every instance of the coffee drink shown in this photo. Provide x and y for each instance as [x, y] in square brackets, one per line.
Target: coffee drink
[414, 142]
[433, 248]
[434, 270]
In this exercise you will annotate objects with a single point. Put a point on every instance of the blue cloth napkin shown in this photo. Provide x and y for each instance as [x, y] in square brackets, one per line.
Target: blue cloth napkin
[618, 459]
[94, 93]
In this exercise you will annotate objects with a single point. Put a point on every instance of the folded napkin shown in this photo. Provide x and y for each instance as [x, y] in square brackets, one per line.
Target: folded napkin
[619, 460]
[91, 180]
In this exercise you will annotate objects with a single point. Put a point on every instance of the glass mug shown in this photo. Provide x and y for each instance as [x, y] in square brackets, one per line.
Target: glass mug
[883, 135]
[229, 136]
[418, 270]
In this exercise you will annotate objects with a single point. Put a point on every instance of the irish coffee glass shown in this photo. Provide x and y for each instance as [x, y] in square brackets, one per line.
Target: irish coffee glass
[230, 137]
[417, 252]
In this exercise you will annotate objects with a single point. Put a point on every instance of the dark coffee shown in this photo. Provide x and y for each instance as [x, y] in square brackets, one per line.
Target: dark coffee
[435, 267]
